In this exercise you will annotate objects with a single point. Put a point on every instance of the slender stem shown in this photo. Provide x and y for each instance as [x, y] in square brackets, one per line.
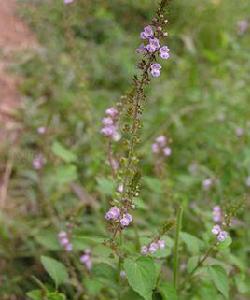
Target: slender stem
[176, 245]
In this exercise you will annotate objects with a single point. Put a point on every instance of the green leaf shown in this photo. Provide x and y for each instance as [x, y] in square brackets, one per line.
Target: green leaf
[65, 174]
[167, 291]
[193, 243]
[106, 186]
[56, 269]
[49, 240]
[225, 244]
[142, 275]
[35, 295]
[220, 279]
[192, 263]
[65, 154]
[105, 271]
[56, 296]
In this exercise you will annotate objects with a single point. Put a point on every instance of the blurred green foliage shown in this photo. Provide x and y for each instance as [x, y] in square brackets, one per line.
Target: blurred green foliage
[84, 61]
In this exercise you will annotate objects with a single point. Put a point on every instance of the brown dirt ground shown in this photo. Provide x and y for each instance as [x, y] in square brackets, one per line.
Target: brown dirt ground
[14, 36]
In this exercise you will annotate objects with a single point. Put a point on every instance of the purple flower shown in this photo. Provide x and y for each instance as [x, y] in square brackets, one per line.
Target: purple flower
[216, 230]
[242, 26]
[155, 148]
[154, 45]
[108, 131]
[39, 161]
[155, 70]
[41, 130]
[126, 219]
[161, 244]
[167, 151]
[222, 236]
[86, 259]
[239, 132]
[164, 52]
[107, 121]
[69, 247]
[112, 112]
[144, 250]
[62, 234]
[113, 213]
[161, 140]
[217, 216]
[141, 49]
[207, 183]
[147, 33]
[153, 247]
[68, 1]
[120, 188]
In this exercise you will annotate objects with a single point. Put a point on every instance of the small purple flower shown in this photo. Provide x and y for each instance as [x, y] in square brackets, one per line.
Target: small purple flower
[207, 183]
[68, 1]
[69, 247]
[216, 230]
[108, 131]
[242, 26]
[62, 234]
[217, 216]
[161, 140]
[126, 219]
[41, 130]
[153, 45]
[167, 151]
[107, 121]
[164, 52]
[144, 250]
[112, 112]
[123, 274]
[112, 214]
[64, 241]
[155, 148]
[86, 259]
[141, 49]
[155, 70]
[120, 188]
[161, 244]
[153, 247]
[147, 33]
[39, 161]
[222, 236]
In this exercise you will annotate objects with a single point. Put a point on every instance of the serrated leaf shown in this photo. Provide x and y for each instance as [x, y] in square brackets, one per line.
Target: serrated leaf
[167, 291]
[142, 275]
[66, 155]
[220, 279]
[55, 269]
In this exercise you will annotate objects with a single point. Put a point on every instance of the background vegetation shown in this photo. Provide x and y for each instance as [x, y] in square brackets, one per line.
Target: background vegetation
[83, 65]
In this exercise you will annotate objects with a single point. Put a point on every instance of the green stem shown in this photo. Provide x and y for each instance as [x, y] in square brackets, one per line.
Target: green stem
[176, 245]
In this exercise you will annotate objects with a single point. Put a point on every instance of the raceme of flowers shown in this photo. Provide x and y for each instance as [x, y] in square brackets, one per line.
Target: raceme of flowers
[217, 230]
[64, 241]
[152, 45]
[115, 214]
[86, 260]
[110, 124]
[160, 146]
[153, 247]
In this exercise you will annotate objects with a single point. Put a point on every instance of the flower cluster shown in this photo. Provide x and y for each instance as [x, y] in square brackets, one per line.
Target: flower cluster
[115, 214]
[64, 241]
[86, 260]
[68, 1]
[41, 130]
[150, 35]
[39, 161]
[153, 247]
[160, 146]
[207, 184]
[217, 230]
[110, 124]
